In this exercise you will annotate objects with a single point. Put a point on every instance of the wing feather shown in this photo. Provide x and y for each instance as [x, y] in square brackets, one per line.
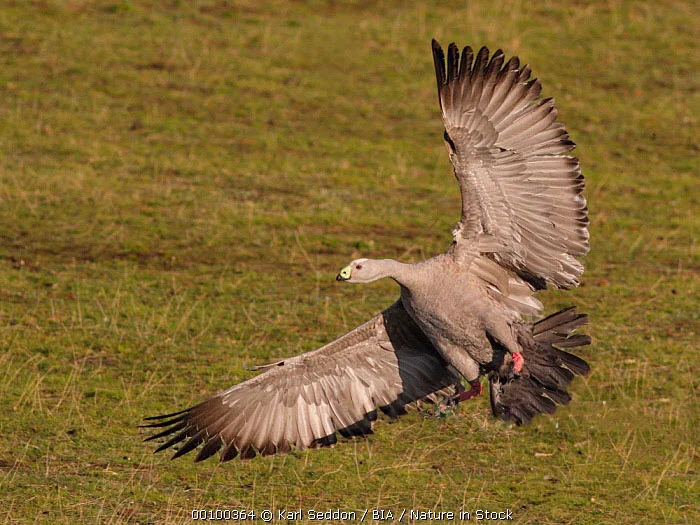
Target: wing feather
[506, 149]
[303, 401]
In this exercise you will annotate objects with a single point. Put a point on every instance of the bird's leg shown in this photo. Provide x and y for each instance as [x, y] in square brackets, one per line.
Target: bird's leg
[518, 362]
[474, 391]
[447, 405]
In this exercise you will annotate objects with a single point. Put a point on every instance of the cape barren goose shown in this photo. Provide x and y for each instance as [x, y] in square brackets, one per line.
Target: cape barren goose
[460, 314]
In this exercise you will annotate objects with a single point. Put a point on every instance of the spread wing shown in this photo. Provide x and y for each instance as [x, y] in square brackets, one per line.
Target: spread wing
[384, 364]
[517, 188]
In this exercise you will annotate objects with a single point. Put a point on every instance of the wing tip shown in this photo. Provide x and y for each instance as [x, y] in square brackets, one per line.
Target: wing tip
[439, 61]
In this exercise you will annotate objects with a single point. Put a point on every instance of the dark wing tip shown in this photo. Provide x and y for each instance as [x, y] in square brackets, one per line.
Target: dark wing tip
[192, 443]
[210, 448]
[164, 416]
[452, 63]
[230, 452]
[439, 59]
[480, 63]
[172, 428]
[495, 64]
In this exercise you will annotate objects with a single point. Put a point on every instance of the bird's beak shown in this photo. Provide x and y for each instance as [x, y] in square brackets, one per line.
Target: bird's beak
[344, 274]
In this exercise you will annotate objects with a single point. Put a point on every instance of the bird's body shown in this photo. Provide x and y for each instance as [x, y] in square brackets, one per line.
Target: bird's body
[461, 314]
[452, 307]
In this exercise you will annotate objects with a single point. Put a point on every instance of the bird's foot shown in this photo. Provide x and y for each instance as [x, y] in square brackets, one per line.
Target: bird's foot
[447, 405]
[518, 362]
[474, 391]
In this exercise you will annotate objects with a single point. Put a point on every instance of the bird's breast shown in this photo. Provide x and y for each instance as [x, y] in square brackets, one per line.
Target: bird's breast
[446, 312]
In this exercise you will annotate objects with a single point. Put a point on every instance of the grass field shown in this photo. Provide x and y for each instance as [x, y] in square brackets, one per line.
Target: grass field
[180, 183]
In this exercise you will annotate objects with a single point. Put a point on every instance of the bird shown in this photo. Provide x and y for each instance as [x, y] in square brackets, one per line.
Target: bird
[461, 315]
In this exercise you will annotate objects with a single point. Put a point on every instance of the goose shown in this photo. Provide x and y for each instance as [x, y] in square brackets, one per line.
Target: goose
[460, 315]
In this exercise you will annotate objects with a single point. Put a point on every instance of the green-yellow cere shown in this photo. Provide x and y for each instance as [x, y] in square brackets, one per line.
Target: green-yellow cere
[345, 272]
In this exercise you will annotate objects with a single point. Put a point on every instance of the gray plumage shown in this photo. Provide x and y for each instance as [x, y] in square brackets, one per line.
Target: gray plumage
[460, 314]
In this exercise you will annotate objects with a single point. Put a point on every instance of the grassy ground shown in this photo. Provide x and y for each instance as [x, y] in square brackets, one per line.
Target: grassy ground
[179, 184]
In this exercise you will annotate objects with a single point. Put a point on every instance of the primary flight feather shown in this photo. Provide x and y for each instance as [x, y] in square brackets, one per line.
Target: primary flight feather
[460, 315]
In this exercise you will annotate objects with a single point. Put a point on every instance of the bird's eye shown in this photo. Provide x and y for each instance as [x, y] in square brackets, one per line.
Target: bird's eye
[358, 267]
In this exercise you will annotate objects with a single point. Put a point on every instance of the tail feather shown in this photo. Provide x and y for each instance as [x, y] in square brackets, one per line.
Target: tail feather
[561, 322]
[548, 370]
[577, 365]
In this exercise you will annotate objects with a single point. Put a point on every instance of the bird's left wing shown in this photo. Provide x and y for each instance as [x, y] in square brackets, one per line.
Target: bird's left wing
[385, 363]
[522, 201]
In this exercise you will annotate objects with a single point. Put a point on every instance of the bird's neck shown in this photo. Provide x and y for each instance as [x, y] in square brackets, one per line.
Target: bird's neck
[404, 274]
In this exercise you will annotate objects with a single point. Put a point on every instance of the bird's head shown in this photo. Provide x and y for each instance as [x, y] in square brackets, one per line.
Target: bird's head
[362, 271]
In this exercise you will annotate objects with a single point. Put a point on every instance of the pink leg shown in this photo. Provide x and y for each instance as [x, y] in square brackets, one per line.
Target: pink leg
[518, 362]
[474, 391]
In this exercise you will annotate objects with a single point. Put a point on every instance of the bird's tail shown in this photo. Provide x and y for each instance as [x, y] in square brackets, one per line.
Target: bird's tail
[547, 370]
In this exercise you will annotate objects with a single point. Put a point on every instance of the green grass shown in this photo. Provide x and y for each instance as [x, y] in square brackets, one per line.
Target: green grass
[179, 184]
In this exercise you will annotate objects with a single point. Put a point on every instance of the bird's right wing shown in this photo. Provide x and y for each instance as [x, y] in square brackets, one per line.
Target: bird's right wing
[385, 363]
